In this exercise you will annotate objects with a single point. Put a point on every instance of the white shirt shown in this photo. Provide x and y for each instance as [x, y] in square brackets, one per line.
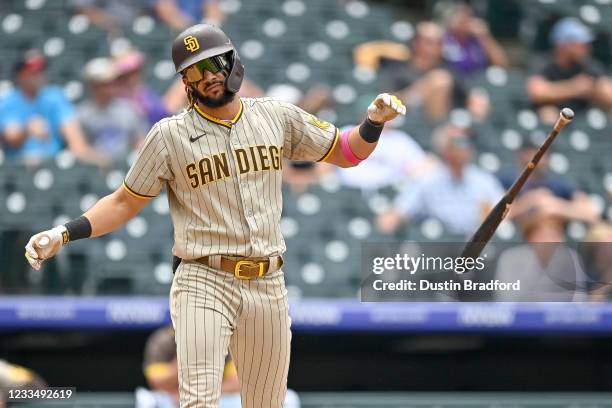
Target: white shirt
[395, 160]
[460, 204]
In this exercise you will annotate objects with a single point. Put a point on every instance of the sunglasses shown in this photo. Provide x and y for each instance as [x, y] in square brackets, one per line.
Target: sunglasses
[460, 142]
[214, 65]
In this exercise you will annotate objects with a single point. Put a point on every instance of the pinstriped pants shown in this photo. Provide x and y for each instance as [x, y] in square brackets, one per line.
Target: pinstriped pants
[213, 312]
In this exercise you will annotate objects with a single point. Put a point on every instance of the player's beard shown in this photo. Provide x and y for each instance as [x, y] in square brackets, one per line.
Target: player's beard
[225, 98]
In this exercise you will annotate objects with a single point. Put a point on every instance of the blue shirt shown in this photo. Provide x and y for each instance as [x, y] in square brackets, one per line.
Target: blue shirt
[559, 186]
[51, 105]
[460, 204]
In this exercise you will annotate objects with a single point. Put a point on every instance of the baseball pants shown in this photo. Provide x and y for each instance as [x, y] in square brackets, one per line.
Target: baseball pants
[213, 312]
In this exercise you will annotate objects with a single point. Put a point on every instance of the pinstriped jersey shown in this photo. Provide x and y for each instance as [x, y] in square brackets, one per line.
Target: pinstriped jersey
[224, 178]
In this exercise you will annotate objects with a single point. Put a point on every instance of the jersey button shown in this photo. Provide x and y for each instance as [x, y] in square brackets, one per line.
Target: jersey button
[249, 213]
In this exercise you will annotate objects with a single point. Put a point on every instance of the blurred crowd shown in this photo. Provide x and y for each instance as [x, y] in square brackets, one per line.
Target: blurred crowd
[430, 74]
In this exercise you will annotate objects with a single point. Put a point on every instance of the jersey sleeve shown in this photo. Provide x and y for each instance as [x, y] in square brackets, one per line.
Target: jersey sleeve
[306, 137]
[152, 168]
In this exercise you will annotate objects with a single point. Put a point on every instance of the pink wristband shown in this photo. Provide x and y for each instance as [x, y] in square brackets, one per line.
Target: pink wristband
[346, 149]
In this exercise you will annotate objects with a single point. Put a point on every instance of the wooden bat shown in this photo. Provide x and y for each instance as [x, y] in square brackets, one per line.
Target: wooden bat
[486, 230]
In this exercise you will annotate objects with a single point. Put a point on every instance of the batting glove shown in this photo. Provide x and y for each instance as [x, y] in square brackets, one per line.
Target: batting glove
[44, 245]
[385, 108]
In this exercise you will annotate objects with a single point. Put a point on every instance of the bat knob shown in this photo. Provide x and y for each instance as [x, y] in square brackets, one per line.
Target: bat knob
[567, 113]
[43, 241]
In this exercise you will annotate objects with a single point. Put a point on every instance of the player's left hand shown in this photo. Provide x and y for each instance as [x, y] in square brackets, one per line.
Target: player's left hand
[385, 108]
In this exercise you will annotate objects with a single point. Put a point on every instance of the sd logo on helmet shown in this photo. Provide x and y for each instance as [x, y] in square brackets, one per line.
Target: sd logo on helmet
[211, 49]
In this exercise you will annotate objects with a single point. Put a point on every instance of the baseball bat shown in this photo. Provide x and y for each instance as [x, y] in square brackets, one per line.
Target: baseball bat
[486, 230]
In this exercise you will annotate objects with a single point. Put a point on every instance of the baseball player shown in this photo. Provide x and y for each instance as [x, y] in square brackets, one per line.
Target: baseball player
[221, 163]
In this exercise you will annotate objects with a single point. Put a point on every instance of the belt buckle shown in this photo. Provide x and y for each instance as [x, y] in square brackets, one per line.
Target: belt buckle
[240, 264]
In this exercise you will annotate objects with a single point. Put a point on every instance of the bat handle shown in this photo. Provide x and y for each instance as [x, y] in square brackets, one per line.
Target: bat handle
[43, 241]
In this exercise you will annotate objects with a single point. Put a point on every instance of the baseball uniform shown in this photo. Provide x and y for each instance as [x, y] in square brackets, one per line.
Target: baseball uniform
[224, 190]
[223, 179]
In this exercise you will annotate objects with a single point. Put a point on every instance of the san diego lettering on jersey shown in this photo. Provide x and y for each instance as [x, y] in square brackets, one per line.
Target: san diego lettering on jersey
[224, 179]
[251, 159]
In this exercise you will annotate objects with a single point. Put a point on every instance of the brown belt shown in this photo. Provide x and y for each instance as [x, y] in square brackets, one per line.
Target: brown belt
[242, 268]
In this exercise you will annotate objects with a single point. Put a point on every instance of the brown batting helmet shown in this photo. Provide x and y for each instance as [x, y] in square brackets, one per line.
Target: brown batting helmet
[204, 41]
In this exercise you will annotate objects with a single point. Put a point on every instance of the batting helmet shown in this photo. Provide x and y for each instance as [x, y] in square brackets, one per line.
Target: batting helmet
[203, 41]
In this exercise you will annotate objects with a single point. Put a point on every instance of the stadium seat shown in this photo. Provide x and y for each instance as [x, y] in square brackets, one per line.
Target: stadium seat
[115, 268]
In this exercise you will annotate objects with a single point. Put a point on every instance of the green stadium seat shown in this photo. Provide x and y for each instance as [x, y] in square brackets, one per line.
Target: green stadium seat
[115, 268]
[24, 211]
[21, 29]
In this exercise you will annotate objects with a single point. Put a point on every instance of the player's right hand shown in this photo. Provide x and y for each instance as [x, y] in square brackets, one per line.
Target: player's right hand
[44, 245]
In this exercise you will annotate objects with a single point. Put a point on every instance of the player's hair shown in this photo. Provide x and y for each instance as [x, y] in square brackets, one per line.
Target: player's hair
[190, 99]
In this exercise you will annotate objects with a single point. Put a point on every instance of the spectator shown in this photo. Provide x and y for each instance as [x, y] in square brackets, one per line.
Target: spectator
[180, 14]
[468, 45]
[109, 15]
[548, 270]
[36, 119]
[423, 81]
[161, 372]
[149, 103]
[112, 125]
[300, 175]
[598, 243]
[459, 194]
[398, 159]
[560, 194]
[570, 78]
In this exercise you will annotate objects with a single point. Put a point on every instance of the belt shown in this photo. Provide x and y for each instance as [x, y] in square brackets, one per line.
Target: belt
[243, 268]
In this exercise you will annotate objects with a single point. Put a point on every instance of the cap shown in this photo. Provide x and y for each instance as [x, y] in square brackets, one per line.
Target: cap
[101, 70]
[31, 61]
[129, 62]
[570, 29]
[160, 350]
